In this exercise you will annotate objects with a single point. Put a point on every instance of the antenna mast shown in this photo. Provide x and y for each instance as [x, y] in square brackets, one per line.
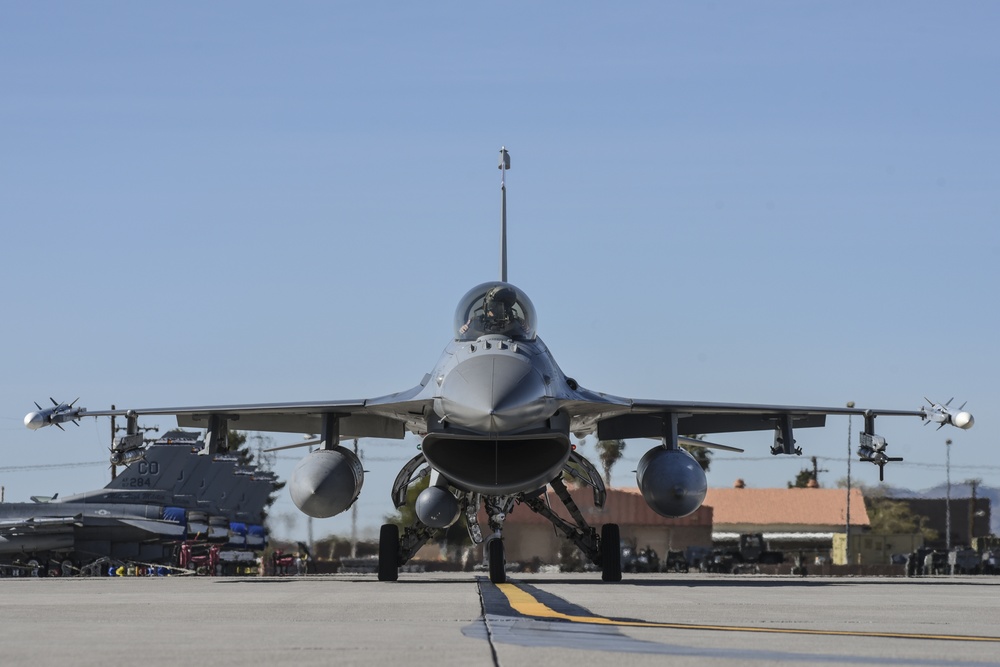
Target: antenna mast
[503, 167]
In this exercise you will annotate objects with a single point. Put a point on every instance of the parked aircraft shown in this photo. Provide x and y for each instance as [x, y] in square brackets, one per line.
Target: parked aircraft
[496, 414]
[160, 499]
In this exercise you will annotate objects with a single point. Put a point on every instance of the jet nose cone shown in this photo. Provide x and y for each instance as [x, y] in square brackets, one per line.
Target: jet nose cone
[494, 393]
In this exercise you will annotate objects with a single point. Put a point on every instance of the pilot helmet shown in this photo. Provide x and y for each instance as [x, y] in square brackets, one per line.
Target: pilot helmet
[500, 302]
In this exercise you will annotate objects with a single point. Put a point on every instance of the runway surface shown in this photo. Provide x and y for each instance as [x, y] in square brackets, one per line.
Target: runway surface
[558, 619]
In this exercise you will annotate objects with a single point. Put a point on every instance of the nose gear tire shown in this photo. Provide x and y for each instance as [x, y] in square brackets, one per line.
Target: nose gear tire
[495, 553]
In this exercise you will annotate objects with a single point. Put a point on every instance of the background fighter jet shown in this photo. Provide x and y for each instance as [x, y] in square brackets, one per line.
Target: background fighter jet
[496, 414]
[168, 493]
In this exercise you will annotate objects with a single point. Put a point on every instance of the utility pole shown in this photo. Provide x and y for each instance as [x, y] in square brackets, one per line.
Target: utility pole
[947, 502]
[114, 468]
[850, 454]
[817, 470]
[309, 524]
[354, 517]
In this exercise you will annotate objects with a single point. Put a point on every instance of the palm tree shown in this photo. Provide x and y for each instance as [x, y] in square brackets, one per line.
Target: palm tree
[609, 452]
[703, 455]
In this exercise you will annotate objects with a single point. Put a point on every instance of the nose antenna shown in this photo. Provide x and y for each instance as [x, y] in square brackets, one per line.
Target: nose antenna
[503, 167]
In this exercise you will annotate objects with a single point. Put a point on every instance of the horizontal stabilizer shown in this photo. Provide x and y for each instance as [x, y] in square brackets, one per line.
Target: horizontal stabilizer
[307, 443]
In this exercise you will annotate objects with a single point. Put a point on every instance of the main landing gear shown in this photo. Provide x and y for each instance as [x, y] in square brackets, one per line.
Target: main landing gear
[602, 548]
[605, 552]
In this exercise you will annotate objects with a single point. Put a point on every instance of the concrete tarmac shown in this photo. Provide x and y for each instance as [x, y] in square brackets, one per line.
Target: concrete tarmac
[462, 619]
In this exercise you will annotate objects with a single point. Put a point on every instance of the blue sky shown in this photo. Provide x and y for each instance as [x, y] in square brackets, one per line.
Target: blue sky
[757, 202]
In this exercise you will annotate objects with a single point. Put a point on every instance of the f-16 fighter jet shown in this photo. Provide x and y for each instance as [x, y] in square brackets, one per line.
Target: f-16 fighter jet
[496, 415]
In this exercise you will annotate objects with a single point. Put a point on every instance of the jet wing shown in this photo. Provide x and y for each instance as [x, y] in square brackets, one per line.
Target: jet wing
[615, 417]
[387, 416]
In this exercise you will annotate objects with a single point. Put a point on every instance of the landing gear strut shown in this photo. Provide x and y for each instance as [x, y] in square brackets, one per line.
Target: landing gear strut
[604, 550]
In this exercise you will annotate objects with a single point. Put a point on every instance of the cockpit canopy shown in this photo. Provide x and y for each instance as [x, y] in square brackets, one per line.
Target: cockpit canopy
[495, 308]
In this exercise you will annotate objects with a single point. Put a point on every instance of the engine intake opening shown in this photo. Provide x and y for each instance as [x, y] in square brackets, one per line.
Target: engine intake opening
[497, 467]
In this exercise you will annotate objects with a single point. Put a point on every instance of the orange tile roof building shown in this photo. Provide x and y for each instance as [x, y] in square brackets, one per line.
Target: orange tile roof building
[790, 519]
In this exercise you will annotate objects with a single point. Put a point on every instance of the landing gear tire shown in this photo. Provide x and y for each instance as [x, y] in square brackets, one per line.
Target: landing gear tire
[611, 553]
[388, 553]
[495, 553]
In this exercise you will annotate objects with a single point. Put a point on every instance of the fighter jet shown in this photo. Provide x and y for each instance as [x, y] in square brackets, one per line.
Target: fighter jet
[159, 499]
[496, 416]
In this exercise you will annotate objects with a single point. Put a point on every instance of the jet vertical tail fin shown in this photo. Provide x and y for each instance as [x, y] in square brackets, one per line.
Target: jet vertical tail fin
[504, 166]
[162, 466]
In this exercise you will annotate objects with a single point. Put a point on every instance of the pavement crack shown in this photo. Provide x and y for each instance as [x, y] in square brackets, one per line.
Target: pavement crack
[490, 639]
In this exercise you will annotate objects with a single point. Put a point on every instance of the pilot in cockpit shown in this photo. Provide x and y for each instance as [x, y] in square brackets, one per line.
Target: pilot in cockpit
[498, 314]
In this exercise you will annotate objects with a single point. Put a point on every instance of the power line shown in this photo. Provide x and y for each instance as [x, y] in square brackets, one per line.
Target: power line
[920, 464]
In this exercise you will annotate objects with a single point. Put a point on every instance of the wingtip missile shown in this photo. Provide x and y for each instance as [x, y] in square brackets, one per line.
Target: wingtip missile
[944, 415]
[60, 413]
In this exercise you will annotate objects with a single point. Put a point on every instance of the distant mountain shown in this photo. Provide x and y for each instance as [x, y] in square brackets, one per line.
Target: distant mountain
[958, 490]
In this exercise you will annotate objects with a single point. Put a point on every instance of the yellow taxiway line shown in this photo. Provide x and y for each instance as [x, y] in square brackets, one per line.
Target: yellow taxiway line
[527, 605]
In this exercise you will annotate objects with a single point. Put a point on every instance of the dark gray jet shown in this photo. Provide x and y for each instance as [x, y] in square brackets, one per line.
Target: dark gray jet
[496, 415]
[158, 500]
[177, 470]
